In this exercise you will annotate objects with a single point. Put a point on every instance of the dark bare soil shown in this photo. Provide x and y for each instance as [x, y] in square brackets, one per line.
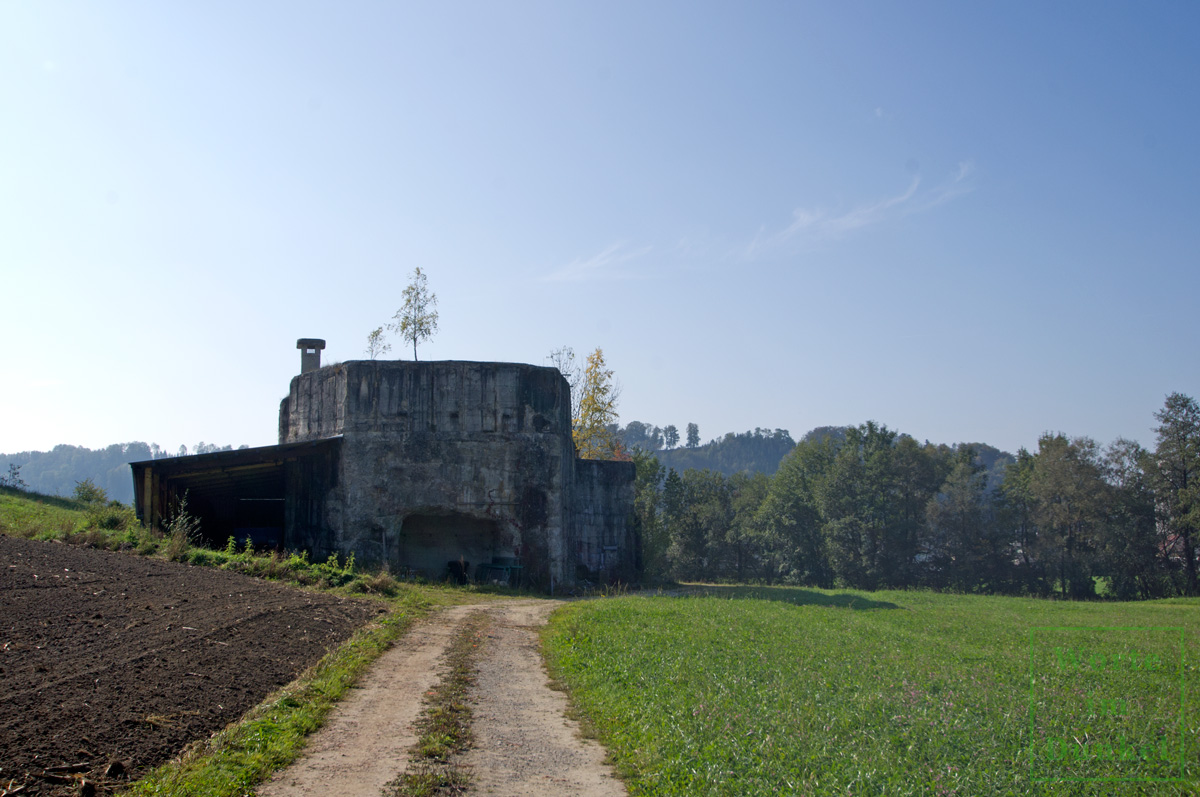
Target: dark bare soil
[108, 657]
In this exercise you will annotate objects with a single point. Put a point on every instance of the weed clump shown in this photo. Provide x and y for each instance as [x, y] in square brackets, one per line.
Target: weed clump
[380, 583]
[111, 516]
[182, 532]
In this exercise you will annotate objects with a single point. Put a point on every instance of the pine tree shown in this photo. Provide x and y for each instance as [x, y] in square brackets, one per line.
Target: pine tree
[1177, 473]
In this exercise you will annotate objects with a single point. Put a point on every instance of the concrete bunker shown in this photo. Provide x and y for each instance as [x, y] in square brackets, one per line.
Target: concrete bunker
[415, 465]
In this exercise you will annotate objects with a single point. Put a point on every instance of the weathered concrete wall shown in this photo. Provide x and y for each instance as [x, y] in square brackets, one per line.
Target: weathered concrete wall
[487, 443]
[451, 399]
[315, 406]
[602, 504]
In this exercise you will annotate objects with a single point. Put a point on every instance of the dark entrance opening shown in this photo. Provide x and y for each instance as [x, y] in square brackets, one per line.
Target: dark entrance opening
[259, 521]
[428, 543]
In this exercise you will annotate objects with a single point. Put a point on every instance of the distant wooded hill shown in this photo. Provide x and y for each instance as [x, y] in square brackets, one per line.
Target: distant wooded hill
[56, 472]
[759, 451]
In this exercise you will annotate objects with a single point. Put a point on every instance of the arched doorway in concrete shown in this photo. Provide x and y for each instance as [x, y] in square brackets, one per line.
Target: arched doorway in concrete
[430, 542]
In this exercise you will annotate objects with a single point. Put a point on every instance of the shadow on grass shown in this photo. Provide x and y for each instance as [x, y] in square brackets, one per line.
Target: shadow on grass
[800, 597]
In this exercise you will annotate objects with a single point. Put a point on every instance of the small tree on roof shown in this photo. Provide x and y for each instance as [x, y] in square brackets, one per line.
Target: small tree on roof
[417, 319]
[376, 345]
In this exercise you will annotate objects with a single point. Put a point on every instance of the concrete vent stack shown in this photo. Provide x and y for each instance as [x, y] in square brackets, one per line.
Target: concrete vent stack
[310, 353]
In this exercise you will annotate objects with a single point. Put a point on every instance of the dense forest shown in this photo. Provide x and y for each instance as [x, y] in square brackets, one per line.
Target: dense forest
[869, 507]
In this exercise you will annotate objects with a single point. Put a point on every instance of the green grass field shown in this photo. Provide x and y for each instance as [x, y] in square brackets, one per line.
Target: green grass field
[796, 691]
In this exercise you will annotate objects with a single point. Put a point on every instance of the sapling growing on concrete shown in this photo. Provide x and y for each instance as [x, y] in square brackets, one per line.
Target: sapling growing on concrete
[417, 319]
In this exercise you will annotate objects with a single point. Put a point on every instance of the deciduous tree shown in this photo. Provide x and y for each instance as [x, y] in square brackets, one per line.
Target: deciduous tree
[598, 395]
[747, 494]
[790, 517]
[376, 345]
[958, 549]
[670, 436]
[699, 516]
[648, 515]
[1131, 556]
[564, 360]
[1070, 502]
[417, 319]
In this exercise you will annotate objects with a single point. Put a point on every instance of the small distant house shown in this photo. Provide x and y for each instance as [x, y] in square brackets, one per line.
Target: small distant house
[432, 468]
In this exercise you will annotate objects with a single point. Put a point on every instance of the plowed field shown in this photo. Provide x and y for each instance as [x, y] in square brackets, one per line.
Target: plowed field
[113, 658]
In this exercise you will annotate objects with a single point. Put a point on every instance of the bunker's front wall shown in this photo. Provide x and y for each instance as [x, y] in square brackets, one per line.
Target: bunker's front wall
[483, 441]
[514, 483]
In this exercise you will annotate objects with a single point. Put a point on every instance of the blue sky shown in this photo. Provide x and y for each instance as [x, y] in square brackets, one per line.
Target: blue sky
[971, 222]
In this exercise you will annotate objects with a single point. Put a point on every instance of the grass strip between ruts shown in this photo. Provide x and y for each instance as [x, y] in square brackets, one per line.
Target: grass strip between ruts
[271, 735]
[445, 723]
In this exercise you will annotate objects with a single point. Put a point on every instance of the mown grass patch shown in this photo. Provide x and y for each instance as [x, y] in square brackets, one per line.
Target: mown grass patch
[796, 691]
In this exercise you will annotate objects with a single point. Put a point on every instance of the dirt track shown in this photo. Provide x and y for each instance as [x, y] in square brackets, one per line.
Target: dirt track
[524, 744]
[112, 657]
[365, 740]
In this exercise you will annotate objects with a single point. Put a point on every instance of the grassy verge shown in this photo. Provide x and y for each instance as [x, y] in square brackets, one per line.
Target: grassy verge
[781, 691]
[37, 516]
[445, 724]
[113, 526]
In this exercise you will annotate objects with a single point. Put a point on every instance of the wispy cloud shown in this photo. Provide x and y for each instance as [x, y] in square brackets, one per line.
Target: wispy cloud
[810, 224]
[604, 265]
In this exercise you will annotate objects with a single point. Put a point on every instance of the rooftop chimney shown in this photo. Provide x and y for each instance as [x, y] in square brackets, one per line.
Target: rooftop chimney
[310, 353]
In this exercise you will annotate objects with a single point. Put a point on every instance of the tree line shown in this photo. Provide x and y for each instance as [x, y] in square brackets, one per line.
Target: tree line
[760, 450]
[870, 508]
[652, 438]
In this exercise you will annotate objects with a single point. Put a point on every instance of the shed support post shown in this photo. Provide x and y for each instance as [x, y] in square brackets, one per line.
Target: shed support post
[148, 497]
